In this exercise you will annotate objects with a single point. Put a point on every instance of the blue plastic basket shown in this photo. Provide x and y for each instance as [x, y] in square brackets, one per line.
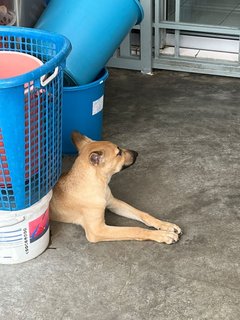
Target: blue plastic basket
[30, 120]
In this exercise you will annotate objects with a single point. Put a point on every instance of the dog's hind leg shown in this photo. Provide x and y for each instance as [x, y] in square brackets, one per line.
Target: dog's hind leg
[123, 209]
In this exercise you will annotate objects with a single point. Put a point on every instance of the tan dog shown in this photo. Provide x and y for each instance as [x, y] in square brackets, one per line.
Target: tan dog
[82, 195]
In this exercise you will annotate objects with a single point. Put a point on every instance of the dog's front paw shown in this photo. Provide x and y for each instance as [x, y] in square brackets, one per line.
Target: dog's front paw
[167, 226]
[167, 237]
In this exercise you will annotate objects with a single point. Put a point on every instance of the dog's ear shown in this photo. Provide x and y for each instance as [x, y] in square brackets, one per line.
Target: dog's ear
[80, 140]
[96, 158]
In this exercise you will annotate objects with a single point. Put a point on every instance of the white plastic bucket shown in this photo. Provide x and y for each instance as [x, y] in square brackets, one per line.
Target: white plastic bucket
[24, 234]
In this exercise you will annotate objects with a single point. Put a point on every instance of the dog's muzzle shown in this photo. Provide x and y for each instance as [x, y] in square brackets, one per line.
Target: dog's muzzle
[134, 155]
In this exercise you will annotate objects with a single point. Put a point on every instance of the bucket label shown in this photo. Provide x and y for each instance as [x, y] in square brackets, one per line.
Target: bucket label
[97, 106]
[39, 226]
[11, 238]
[14, 243]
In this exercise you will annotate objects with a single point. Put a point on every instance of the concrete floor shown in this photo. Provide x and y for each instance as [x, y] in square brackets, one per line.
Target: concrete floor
[186, 129]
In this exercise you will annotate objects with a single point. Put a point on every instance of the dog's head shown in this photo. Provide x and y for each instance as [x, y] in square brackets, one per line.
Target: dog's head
[103, 155]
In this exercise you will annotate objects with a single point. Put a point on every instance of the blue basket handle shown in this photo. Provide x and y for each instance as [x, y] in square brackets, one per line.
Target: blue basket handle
[44, 81]
[11, 222]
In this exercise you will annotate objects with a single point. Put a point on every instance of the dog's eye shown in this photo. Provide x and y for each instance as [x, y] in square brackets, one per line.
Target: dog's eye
[119, 152]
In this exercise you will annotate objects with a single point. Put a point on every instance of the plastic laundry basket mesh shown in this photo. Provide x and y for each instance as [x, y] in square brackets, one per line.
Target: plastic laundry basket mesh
[30, 125]
[42, 140]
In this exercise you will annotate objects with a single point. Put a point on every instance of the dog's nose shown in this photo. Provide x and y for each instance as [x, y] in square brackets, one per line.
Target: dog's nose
[134, 155]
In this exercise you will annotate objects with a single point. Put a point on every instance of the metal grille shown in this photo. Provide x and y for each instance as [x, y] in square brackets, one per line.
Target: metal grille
[160, 44]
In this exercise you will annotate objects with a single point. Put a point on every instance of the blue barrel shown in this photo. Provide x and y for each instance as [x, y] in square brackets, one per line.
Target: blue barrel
[83, 111]
[95, 28]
